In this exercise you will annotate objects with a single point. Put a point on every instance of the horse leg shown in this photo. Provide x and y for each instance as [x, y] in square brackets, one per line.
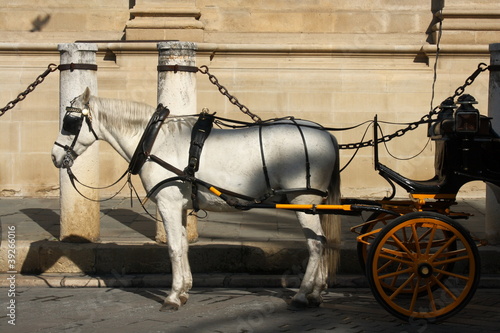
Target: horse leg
[188, 278]
[172, 219]
[315, 298]
[314, 280]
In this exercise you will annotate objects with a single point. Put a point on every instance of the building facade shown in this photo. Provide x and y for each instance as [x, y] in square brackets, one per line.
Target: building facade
[338, 63]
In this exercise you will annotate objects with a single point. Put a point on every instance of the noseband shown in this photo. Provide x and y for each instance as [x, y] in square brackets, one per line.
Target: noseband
[72, 123]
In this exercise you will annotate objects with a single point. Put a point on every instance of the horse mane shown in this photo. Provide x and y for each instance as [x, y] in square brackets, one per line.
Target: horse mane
[132, 117]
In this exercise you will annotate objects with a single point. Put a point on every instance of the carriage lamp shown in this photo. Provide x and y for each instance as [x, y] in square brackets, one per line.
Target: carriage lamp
[447, 107]
[445, 121]
[466, 116]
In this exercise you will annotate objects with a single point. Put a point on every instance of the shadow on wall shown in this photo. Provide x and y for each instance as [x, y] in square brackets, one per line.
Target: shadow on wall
[436, 6]
[40, 22]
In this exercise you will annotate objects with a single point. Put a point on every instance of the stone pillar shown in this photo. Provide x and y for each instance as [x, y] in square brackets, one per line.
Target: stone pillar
[493, 192]
[80, 220]
[177, 91]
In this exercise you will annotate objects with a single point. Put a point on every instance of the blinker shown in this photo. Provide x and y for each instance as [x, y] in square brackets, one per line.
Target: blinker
[72, 122]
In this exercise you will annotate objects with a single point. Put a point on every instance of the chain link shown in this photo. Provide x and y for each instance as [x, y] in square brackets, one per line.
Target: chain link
[425, 119]
[225, 92]
[50, 68]
[386, 138]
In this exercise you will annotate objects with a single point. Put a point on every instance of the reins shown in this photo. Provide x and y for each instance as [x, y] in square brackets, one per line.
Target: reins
[143, 154]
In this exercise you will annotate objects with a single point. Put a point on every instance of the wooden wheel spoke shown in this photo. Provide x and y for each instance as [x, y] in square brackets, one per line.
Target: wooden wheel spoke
[431, 239]
[448, 291]
[432, 302]
[403, 247]
[415, 295]
[458, 276]
[396, 259]
[402, 286]
[395, 278]
[453, 253]
[442, 248]
[415, 238]
[449, 261]
[427, 232]
[389, 275]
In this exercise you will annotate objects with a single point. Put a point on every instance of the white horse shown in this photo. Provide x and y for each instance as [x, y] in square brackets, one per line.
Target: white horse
[232, 159]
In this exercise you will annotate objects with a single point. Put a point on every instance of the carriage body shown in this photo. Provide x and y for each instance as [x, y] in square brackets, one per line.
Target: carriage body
[423, 264]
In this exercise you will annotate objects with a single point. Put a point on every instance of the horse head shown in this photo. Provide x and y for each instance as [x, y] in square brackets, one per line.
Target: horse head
[77, 132]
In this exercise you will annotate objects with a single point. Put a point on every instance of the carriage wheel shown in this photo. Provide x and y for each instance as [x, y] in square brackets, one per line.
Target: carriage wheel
[423, 265]
[377, 220]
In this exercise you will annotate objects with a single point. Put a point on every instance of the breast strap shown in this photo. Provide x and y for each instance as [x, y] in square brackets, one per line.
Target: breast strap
[143, 150]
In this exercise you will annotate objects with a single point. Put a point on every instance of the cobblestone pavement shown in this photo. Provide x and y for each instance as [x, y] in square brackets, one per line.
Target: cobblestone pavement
[76, 310]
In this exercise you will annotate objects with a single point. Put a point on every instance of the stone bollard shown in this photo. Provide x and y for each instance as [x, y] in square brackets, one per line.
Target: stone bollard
[492, 191]
[177, 91]
[80, 218]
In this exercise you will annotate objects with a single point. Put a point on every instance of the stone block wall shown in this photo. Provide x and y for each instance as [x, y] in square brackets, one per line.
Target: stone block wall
[337, 63]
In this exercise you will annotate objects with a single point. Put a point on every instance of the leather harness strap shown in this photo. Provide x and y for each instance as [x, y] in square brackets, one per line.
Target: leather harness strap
[143, 150]
[200, 132]
[270, 190]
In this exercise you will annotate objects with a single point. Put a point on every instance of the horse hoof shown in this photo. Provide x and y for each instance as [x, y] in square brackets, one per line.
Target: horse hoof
[315, 302]
[169, 307]
[183, 299]
[298, 304]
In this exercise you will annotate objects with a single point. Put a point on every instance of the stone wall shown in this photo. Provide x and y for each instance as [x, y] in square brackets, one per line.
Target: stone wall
[337, 63]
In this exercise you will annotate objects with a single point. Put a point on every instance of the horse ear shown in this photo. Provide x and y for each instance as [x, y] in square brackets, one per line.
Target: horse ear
[86, 96]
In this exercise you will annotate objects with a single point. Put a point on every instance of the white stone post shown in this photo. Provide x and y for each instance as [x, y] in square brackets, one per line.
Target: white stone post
[493, 192]
[80, 220]
[177, 91]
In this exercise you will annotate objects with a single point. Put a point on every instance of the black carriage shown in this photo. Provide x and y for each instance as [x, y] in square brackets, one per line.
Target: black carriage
[421, 263]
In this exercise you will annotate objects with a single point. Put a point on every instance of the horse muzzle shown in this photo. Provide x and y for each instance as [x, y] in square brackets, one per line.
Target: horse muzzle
[67, 160]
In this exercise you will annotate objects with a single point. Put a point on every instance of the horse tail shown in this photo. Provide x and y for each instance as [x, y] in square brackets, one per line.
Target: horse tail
[331, 224]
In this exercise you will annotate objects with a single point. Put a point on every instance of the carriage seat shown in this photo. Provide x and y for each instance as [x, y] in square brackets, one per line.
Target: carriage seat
[431, 186]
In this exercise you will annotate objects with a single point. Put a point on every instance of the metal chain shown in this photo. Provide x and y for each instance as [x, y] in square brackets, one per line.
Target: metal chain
[225, 92]
[50, 68]
[386, 138]
[460, 90]
[425, 119]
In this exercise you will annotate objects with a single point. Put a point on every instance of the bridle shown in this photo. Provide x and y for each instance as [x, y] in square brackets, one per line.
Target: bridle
[72, 123]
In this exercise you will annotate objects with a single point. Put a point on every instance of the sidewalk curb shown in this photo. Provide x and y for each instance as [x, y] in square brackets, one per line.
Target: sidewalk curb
[199, 281]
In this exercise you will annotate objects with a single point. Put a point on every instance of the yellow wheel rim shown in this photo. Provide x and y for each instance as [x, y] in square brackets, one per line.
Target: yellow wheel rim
[418, 273]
